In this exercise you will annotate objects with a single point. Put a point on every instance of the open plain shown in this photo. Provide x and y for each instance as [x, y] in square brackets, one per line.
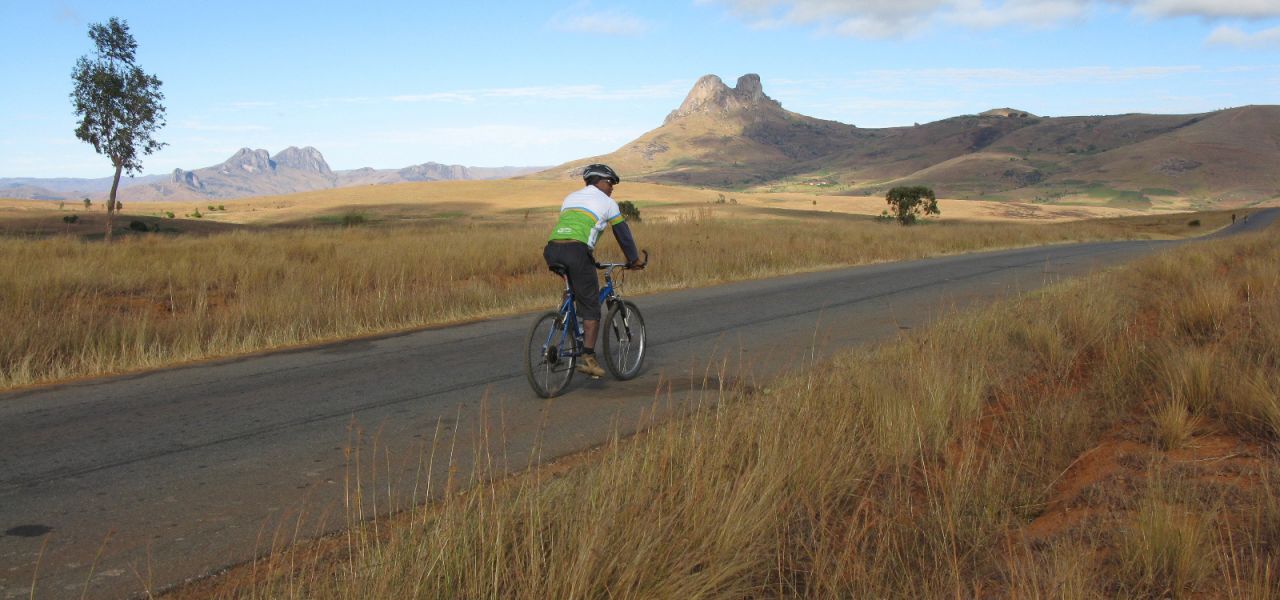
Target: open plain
[300, 428]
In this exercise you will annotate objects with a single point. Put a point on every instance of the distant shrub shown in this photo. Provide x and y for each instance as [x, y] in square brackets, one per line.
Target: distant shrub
[629, 210]
[169, 214]
[222, 208]
[1193, 223]
[138, 226]
[353, 219]
[70, 219]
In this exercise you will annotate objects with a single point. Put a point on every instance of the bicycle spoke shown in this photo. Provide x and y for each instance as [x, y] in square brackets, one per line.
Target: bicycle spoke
[550, 355]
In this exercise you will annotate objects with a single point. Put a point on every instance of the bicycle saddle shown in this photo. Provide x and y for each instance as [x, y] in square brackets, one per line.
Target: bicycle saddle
[559, 269]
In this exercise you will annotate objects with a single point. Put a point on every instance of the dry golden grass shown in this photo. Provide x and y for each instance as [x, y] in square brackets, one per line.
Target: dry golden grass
[507, 199]
[76, 308]
[1006, 452]
[1166, 550]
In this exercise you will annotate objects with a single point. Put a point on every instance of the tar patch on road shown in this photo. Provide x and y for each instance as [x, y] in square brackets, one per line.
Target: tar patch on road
[28, 531]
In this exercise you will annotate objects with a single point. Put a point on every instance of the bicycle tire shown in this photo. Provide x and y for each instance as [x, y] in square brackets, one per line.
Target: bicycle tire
[624, 340]
[549, 372]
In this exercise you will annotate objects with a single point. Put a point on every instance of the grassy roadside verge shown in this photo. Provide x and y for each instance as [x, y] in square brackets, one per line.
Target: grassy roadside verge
[76, 308]
[1113, 436]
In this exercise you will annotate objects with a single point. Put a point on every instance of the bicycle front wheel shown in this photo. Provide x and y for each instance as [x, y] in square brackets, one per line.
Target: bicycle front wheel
[551, 352]
[624, 340]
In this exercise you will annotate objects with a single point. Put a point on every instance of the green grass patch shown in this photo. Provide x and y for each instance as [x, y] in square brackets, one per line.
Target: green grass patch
[348, 219]
[1118, 198]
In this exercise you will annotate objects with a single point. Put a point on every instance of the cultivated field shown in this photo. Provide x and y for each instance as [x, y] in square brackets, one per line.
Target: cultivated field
[1108, 437]
[274, 272]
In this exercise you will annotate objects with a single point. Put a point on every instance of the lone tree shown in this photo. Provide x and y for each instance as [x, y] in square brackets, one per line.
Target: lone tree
[910, 201]
[118, 104]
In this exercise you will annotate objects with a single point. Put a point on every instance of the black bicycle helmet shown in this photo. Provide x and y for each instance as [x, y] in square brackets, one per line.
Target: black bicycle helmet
[601, 171]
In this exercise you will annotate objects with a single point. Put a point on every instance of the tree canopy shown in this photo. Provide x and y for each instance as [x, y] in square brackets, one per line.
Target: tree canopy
[117, 102]
[908, 202]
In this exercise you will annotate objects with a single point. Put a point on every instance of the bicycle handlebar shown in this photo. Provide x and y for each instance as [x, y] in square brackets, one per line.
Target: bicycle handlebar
[625, 265]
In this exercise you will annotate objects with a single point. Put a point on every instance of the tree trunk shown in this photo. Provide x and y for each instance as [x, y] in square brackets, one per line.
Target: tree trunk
[111, 202]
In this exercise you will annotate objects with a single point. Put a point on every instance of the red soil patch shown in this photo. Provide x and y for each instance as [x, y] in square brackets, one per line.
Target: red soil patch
[1095, 466]
[1118, 465]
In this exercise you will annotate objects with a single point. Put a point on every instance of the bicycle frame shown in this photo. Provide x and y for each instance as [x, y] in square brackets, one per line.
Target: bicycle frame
[569, 312]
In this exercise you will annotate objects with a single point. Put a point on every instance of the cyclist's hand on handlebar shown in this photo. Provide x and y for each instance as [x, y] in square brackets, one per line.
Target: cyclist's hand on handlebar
[639, 263]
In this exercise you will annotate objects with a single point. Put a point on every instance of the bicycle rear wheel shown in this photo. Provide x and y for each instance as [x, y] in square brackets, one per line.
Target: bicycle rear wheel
[551, 352]
[624, 340]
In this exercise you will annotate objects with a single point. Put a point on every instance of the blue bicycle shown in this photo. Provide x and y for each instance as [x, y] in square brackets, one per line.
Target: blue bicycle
[556, 339]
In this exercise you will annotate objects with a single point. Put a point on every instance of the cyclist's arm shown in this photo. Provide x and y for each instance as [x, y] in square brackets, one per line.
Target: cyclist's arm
[622, 233]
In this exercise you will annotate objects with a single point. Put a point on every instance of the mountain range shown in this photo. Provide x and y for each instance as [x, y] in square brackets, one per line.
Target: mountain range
[740, 138]
[248, 172]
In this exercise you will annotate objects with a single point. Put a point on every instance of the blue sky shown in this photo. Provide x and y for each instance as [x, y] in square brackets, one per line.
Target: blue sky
[391, 84]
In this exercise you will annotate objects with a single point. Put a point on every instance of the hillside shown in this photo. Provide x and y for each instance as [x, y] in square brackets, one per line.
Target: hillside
[247, 173]
[740, 138]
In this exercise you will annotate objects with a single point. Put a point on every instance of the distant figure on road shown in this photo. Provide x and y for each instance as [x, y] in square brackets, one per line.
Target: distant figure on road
[1233, 218]
[583, 216]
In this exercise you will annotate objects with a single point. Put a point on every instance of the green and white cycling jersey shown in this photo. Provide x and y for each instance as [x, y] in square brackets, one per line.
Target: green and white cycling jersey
[584, 214]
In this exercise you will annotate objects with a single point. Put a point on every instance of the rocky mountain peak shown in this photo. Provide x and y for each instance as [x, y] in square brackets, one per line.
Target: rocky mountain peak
[711, 95]
[186, 178]
[749, 88]
[1006, 112]
[247, 160]
[304, 159]
[431, 171]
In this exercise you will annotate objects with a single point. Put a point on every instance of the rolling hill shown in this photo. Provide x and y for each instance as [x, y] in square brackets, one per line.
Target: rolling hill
[248, 172]
[740, 138]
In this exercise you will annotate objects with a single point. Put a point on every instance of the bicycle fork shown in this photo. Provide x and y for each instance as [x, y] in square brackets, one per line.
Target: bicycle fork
[623, 334]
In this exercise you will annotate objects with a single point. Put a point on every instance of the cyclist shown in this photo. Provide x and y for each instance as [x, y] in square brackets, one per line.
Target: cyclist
[583, 216]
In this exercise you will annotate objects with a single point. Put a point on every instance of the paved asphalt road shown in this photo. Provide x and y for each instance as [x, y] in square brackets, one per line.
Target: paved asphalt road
[175, 473]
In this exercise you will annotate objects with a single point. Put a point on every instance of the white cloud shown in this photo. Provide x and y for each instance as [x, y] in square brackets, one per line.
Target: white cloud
[198, 125]
[1231, 36]
[1001, 78]
[902, 18]
[490, 144]
[1249, 9]
[435, 97]
[859, 18]
[489, 136]
[67, 14]
[339, 101]
[592, 92]
[671, 89]
[605, 22]
[251, 104]
[895, 106]
[1038, 13]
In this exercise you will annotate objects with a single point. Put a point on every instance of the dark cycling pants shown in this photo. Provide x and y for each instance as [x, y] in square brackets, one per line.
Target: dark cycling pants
[576, 256]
